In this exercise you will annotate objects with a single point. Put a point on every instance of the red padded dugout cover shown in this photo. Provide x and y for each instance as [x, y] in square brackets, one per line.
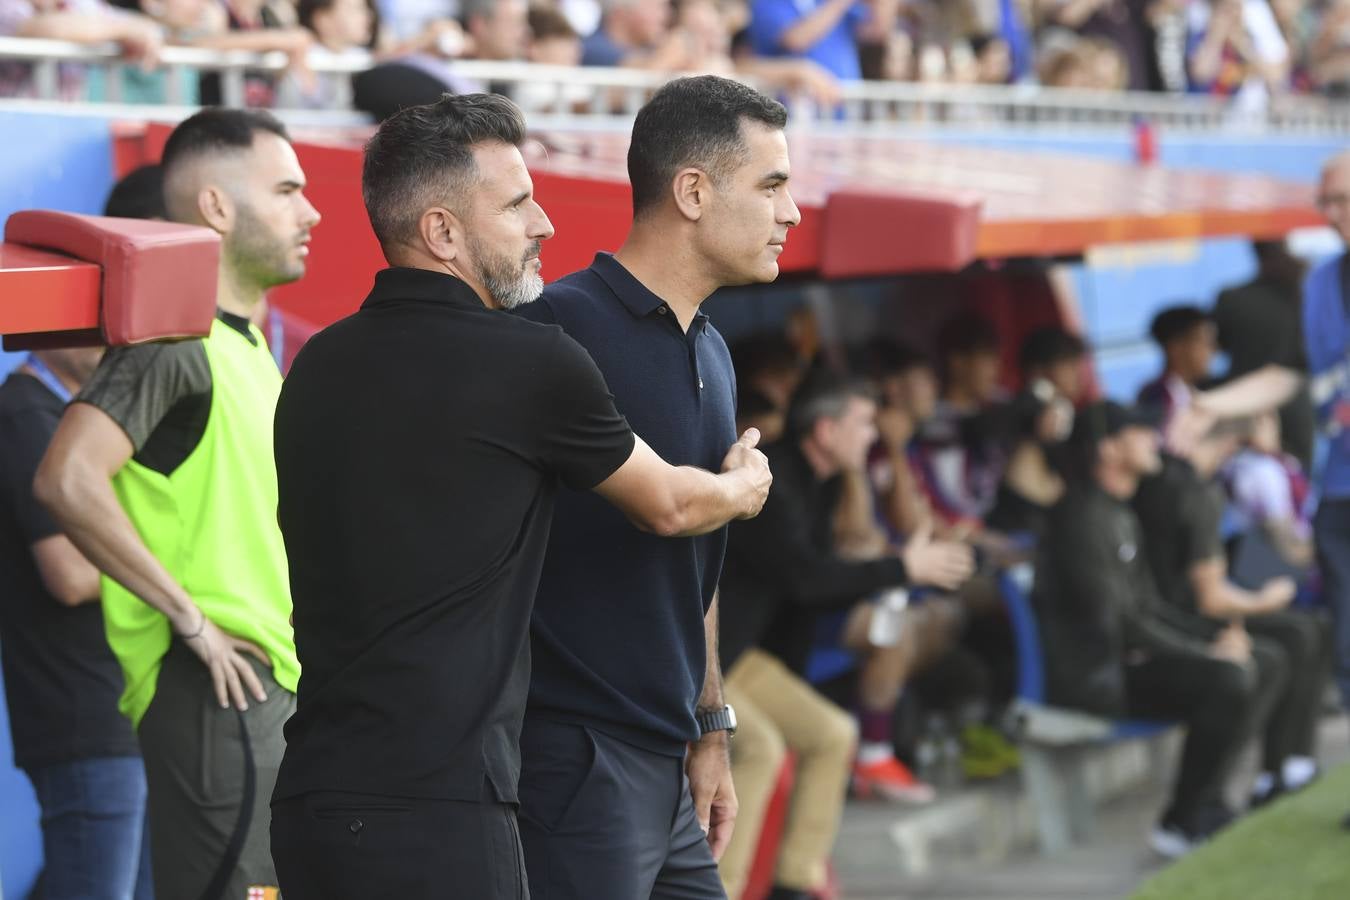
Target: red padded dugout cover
[882, 231]
[158, 280]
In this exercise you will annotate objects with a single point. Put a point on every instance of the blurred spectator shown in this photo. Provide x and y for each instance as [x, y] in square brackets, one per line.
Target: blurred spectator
[960, 448]
[497, 29]
[993, 59]
[754, 410]
[908, 390]
[826, 31]
[416, 71]
[138, 195]
[769, 364]
[261, 26]
[635, 33]
[1329, 55]
[553, 40]
[342, 28]
[784, 567]
[183, 22]
[703, 27]
[1107, 649]
[1260, 323]
[1188, 340]
[1298, 23]
[1235, 48]
[1119, 22]
[1053, 362]
[1269, 495]
[1108, 69]
[82, 21]
[1066, 67]
[1181, 509]
[777, 712]
[62, 681]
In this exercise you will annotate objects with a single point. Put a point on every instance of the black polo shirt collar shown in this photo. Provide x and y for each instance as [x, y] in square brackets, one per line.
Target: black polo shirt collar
[404, 283]
[635, 295]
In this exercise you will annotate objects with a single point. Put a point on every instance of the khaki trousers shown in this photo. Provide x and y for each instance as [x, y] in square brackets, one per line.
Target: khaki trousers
[776, 711]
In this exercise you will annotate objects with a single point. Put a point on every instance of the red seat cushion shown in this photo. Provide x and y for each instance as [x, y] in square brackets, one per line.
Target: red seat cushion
[159, 278]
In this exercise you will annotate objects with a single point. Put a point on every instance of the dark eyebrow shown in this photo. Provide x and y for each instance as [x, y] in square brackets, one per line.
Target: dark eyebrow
[518, 199]
[775, 178]
[290, 185]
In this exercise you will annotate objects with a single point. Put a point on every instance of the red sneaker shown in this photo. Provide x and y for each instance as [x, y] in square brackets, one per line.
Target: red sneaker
[890, 779]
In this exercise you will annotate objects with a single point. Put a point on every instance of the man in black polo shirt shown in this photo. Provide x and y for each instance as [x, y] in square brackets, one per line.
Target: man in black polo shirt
[419, 445]
[625, 625]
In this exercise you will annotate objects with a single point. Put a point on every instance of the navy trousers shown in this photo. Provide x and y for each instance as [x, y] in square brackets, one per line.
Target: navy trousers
[601, 819]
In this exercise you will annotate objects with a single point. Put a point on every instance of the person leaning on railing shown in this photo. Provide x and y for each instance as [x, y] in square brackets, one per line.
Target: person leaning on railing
[82, 21]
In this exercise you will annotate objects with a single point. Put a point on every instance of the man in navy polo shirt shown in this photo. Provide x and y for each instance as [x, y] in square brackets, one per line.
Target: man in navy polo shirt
[625, 786]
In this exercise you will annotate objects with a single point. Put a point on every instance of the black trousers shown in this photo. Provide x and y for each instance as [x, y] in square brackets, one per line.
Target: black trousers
[330, 845]
[1215, 700]
[1304, 641]
[602, 819]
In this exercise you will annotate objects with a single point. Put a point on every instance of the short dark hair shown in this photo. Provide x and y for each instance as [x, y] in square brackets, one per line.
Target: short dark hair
[883, 357]
[824, 395]
[694, 121]
[765, 352]
[305, 11]
[968, 333]
[1047, 346]
[138, 195]
[422, 153]
[217, 130]
[750, 402]
[1177, 322]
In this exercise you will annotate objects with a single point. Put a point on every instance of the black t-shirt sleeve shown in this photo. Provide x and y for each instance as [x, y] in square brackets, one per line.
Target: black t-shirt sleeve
[138, 385]
[778, 547]
[1202, 518]
[23, 441]
[584, 438]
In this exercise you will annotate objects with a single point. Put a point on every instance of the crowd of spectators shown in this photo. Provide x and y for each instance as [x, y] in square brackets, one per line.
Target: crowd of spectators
[1250, 50]
[1169, 541]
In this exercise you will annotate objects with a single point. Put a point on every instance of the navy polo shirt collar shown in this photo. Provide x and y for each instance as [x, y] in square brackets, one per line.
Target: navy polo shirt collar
[635, 295]
[403, 283]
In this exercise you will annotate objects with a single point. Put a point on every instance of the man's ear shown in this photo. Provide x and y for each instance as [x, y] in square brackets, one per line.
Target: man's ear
[692, 189]
[216, 209]
[442, 233]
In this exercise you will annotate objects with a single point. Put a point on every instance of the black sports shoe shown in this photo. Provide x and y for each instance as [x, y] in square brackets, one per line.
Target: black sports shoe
[783, 893]
[1345, 823]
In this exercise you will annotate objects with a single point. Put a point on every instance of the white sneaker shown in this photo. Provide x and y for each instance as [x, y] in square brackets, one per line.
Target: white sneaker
[1171, 842]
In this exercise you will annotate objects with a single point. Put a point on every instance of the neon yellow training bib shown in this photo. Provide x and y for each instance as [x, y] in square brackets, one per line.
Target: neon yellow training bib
[213, 525]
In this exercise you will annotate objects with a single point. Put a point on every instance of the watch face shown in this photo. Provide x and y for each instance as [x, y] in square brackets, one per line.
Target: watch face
[731, 719]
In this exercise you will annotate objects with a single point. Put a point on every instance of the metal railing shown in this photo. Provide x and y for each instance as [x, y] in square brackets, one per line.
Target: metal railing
[607, 93]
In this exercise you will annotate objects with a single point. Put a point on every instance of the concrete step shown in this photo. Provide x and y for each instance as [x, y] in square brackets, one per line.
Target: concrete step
[987, 822]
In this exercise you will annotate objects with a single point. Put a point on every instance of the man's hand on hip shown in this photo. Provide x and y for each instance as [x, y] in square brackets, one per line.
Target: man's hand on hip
[709, 769]
[223, 655]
